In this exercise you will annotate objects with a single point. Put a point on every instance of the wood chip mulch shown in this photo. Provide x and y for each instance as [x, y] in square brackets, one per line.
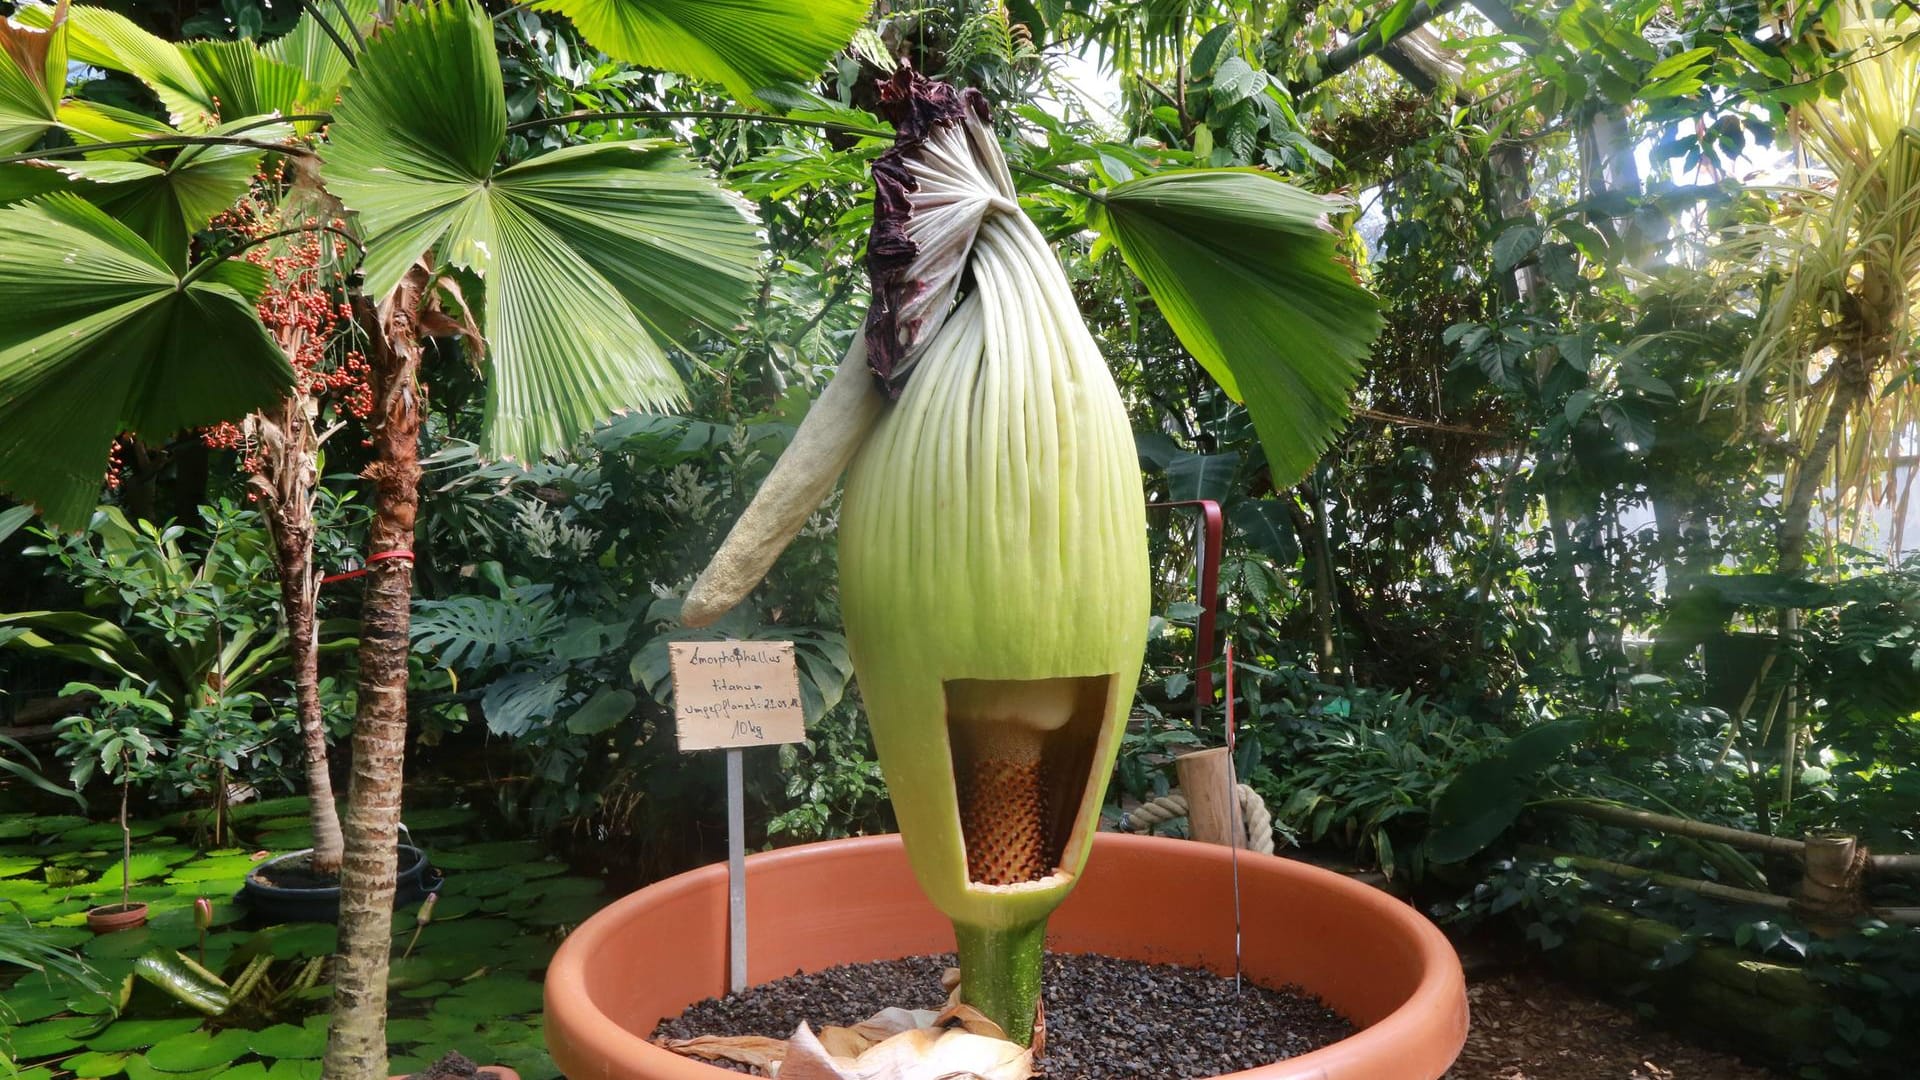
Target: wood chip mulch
[1526, 1026]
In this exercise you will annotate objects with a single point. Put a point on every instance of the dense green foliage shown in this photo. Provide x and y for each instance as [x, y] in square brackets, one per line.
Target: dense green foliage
[1548, 558]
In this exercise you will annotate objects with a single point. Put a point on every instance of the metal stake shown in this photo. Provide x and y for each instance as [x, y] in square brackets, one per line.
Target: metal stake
[1239, 825]
[736, 874]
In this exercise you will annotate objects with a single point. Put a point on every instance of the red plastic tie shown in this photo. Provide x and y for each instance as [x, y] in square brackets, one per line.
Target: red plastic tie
[378, 556]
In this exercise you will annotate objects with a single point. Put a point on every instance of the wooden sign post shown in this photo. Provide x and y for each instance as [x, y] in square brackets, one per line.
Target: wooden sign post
[731, 695]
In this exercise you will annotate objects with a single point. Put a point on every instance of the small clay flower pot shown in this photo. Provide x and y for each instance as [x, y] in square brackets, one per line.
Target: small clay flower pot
[1374, 959]
[110, 917]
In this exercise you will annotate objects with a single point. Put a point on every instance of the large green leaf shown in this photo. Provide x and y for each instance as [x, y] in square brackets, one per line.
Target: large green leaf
[33, 77]
[200, 83]
[309, 50]
[1488, 795]
[1245, 272]
[742, 44]
[589, 256]
[99, 335]
[110, 40]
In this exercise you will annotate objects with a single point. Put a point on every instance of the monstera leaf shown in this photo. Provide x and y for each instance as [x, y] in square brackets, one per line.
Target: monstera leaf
[589, 257]
[742, 44]
[1244, 270]
[100, 335]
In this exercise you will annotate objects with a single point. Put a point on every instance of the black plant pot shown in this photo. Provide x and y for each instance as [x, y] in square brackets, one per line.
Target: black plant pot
[275, 903]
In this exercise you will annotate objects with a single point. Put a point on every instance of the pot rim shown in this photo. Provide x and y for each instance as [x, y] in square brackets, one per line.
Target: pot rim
[1434, 1012]
[253, 883]
[117, 910]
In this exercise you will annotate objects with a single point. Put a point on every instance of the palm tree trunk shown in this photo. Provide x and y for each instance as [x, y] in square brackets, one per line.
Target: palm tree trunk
[356, 1042]
[293, 555]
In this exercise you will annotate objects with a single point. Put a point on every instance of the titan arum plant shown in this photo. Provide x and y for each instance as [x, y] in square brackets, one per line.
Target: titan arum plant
[993, 553]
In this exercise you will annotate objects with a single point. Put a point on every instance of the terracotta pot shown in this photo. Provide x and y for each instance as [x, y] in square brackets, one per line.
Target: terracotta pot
[110, 917]
[1377, 961]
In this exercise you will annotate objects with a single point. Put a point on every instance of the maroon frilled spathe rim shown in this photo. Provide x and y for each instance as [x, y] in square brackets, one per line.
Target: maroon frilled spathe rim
[918, 107]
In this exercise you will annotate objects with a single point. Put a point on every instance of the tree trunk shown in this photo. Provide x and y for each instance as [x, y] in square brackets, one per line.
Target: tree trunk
[356, 1041]
[284, 480]
[292, 518]
[1796, 514]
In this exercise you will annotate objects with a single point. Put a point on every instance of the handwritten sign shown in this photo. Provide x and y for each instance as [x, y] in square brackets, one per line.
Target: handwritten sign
[736, 693]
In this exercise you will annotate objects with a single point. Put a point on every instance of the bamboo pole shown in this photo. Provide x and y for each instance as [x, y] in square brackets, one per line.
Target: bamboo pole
[1679, 826]
[1674, 881]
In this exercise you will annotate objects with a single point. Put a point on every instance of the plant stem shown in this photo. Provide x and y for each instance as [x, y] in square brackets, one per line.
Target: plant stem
[126, 853]
[695, 114]
[156, 141]
[1000, 973]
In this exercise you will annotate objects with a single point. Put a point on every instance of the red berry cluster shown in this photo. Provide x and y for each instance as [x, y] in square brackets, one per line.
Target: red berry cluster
[301, 310]
[116, 463]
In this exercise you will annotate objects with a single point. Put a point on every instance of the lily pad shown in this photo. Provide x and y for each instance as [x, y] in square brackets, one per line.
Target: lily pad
[291, 1069]
[425, 990]
[139, 1034]
[288, 1041]
[485, 883]
[286, 806]
[251, 1070]
[15, 865]
[121, 944]
[532, 1063]
[286, 840]
[490, 998]
[108, 832]
[15, 828]
[139, 1068]
[49, 1037]
[547, 868]
[406, 1065]
[299, 939]
[488, 856]
[93, 1064]
[407, 1030]
[565, 910]
[55, 824]
[142, 867]
[471, 937]
[195, 1051]
[556, 888]
[227, 868]
[36, 998]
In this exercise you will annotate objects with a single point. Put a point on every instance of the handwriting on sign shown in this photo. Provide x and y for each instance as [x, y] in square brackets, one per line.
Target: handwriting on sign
[735, 693]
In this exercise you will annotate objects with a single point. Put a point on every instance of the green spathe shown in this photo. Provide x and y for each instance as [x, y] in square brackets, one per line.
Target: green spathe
[994, 528]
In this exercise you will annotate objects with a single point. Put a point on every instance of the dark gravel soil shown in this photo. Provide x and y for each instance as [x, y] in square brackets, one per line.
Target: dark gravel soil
[455, 1066]
[1106, 1019]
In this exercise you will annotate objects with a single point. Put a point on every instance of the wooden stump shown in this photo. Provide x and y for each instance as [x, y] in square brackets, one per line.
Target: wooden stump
[1213, 807]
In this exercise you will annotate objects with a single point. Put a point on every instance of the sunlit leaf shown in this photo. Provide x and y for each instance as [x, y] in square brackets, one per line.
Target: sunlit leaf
[590, 256]
[33, 77]
[742, 44]
[1245, 273]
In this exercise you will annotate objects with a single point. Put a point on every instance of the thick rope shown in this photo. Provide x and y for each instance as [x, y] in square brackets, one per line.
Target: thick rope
[1253, 811]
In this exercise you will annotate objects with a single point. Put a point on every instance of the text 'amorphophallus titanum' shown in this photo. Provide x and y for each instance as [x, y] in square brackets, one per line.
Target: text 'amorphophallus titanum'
[993, 558]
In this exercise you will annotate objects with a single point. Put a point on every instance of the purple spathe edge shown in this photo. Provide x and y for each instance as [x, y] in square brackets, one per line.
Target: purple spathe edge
[918, 107]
